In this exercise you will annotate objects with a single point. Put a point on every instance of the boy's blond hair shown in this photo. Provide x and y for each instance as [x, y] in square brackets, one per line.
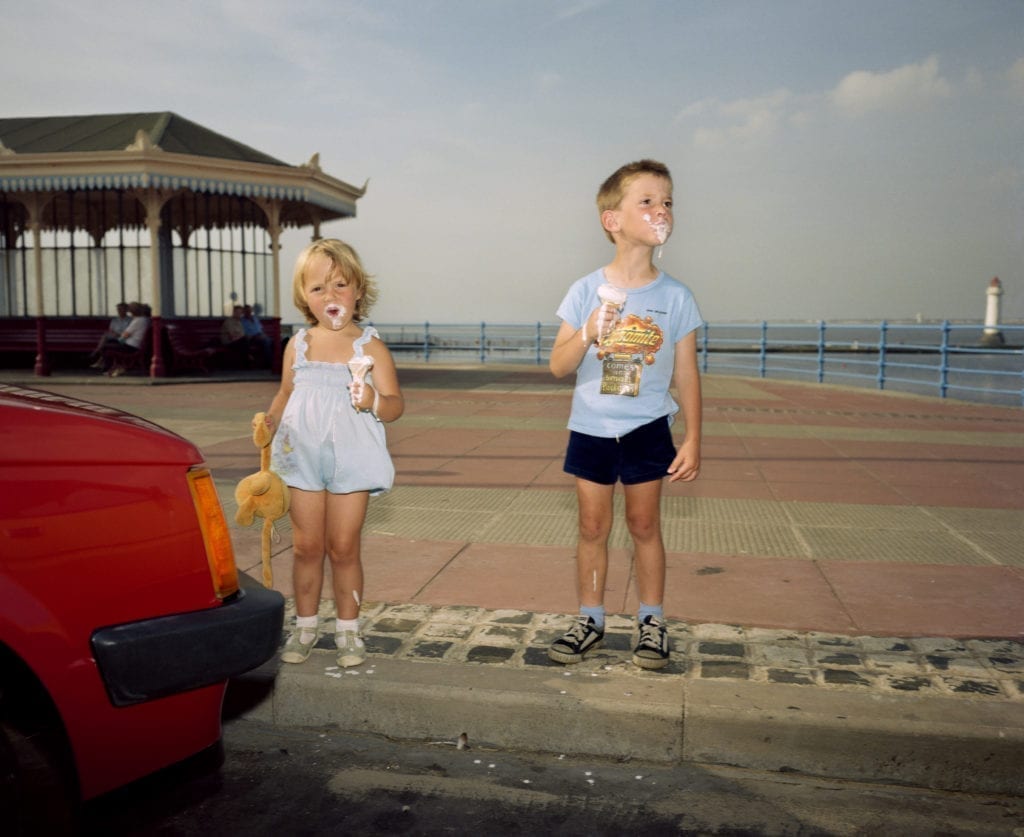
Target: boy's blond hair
[347, 261]
[613, 190]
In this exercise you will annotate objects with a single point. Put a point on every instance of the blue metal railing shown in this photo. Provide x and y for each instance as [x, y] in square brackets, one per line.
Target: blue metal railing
[945, 359]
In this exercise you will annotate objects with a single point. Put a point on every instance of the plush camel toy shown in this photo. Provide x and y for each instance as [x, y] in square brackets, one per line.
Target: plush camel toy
[262, 494]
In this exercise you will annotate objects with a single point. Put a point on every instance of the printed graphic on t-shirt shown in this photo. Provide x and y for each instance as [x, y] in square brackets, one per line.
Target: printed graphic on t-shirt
[631, 345]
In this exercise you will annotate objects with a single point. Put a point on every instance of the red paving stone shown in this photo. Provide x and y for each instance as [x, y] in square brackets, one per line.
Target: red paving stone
[754, 457]
[767, 592]
[888, 599]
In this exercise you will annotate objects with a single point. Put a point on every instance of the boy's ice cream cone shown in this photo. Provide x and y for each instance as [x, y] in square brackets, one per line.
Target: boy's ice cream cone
[610, 296]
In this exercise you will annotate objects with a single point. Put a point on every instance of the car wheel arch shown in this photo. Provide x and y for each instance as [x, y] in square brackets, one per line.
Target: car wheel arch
[37, 766]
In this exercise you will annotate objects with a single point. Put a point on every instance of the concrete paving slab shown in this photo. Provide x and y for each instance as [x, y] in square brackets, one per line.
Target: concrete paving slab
[935, 743]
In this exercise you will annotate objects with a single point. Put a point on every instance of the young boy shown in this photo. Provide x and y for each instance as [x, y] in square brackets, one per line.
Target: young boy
[627, 345]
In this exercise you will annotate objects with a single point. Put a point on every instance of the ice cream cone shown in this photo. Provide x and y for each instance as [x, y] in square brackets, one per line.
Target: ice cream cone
[359, 367]
[610, 296]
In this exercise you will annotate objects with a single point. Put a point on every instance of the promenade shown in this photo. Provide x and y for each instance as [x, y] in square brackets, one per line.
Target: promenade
[845, 580]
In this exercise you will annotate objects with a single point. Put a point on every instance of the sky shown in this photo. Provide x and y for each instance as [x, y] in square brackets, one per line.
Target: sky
[832, 159]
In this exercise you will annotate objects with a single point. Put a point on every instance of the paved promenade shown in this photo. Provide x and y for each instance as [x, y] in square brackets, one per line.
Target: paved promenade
[846, 554]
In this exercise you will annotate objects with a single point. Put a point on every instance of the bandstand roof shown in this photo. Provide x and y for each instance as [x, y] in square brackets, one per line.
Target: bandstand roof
[128, 151]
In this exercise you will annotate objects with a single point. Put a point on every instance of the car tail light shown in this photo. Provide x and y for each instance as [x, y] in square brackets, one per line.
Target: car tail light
[216, 536]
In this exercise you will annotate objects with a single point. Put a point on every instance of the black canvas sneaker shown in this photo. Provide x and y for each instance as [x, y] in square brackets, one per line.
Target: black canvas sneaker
[652, 647]
[577, 641]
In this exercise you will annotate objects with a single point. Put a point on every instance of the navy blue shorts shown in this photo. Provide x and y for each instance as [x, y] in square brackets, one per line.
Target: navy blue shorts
[642, 455]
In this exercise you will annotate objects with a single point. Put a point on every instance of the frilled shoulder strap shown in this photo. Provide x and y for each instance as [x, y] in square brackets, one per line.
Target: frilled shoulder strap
[300, 346]
[368, 334]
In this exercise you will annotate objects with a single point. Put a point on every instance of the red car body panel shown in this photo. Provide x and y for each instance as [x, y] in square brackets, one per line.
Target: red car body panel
[98, 528]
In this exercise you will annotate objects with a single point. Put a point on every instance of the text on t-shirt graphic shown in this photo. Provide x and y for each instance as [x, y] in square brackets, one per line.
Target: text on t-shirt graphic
[630, 346]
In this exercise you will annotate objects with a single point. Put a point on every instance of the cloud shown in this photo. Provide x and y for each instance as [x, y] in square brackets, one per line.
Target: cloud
[1016, 76]
[906, 88]
[548, 81]
[696, 109]
[578, 8]
[740, 122]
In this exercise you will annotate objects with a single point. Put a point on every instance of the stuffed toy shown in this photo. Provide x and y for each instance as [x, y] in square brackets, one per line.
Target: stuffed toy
[262, 494]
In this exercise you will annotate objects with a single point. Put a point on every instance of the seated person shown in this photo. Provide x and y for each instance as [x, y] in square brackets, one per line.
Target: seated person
[113, 333]
[117, 356]
[232, 334]
[260, 345]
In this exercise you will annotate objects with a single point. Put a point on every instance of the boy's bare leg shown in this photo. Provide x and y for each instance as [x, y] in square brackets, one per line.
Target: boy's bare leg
[595, 523]
[643, 517]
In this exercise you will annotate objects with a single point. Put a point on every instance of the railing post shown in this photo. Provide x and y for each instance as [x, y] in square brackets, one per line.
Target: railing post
[537, 343]
[426, 341]
[882, 330]
[764, 348]
[483, 342]
[821, 351]
[944, 360]
[704, 348]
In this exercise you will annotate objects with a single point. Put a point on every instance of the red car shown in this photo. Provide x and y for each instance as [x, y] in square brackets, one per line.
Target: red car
[121, 614]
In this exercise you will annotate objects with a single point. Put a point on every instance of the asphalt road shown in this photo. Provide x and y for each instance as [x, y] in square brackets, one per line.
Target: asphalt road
[307, 781]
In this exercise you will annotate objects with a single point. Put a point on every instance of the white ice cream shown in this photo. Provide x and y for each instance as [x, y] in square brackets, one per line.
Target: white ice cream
[611, 296]
[358, 366]
[335, 313]
[662, 229]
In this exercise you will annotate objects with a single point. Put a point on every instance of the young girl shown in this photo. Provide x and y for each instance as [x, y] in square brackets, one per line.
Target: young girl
[329, 444]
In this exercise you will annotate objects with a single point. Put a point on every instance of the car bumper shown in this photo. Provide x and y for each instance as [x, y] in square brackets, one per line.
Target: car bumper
[166, 655]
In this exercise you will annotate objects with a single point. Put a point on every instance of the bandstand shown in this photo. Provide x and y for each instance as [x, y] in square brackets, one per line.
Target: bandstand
[146, 207]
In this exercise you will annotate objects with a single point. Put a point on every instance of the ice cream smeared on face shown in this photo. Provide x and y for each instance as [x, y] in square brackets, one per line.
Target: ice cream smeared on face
[358, 366]
[335, 313]
[610, 296]
[662, 229]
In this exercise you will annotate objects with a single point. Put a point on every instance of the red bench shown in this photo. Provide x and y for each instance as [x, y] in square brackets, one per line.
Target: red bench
[193, 344]
[188, 343]
[62, 336]
[187, 350]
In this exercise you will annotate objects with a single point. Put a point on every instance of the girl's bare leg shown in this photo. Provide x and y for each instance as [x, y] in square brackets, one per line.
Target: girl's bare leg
[308, 510]
[343, 533]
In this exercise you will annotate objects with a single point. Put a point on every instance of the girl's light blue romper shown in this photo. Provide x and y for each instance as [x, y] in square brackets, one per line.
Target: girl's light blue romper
[323, 442]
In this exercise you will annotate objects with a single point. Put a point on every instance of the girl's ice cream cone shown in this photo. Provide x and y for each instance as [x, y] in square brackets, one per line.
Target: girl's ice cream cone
[358, 366]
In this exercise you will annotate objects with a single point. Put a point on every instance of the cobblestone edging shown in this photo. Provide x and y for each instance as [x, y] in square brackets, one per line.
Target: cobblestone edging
[976, 669]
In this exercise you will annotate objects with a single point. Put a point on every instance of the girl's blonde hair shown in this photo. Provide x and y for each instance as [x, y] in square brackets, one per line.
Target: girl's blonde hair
[345, 259]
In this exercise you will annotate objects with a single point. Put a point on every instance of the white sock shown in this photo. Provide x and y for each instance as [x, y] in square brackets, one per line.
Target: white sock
[341, 625]
[306, 626]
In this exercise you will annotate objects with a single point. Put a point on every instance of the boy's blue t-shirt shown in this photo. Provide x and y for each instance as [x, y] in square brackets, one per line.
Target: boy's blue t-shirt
[623, 383]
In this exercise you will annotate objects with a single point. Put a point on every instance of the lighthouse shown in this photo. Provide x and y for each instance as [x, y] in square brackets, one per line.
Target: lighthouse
[992, 336]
